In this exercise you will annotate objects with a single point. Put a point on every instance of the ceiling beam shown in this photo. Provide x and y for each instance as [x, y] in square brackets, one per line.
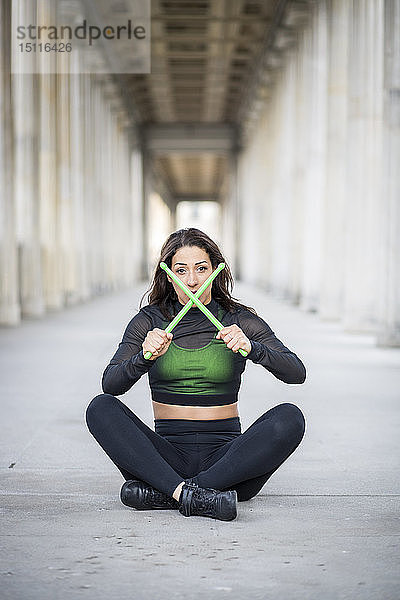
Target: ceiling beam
[191, 138]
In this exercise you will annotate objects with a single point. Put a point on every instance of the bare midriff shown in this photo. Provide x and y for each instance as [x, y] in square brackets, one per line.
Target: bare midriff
[173, 411]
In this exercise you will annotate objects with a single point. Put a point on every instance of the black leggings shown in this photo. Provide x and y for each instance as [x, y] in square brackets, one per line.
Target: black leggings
[215, 453]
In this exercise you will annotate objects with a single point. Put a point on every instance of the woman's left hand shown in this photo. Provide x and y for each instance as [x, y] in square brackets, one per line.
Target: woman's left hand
[234, 338]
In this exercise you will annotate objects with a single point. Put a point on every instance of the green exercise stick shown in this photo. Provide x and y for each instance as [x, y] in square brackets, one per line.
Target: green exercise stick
[190, 303]
[201, 306]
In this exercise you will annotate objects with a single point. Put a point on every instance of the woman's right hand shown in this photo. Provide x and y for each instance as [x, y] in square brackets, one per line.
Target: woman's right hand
[157, 342]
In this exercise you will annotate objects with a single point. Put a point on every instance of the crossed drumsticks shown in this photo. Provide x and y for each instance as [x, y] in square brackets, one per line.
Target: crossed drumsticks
[193, 299]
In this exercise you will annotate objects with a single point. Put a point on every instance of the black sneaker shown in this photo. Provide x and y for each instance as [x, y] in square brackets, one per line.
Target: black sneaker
[140, 495]
[207, 502]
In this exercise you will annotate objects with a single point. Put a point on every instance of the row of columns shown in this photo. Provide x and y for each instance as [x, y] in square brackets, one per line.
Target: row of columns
[319, 182]
[311, 209]
[71, 184]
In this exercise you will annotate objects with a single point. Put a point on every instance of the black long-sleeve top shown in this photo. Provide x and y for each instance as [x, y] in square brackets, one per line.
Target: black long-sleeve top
[197, 369]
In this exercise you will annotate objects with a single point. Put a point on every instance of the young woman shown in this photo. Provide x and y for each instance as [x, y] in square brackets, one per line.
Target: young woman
[197, 460]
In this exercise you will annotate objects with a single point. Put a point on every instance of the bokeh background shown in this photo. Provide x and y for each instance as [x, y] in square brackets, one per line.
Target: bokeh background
[272, 125]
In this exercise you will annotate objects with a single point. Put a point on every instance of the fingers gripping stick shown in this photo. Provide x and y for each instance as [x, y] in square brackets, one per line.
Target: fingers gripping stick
[190, 303]
[196, 301]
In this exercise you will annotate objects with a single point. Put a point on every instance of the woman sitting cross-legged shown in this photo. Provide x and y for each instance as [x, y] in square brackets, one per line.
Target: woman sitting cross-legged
[197, 459]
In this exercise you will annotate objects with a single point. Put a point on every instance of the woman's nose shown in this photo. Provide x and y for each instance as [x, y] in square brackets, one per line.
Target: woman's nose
[192, 279]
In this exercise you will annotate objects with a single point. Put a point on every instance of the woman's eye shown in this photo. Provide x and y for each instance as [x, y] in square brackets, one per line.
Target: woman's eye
[182, 271]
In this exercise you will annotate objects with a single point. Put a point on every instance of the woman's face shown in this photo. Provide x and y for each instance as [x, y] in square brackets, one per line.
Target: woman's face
[193, 266]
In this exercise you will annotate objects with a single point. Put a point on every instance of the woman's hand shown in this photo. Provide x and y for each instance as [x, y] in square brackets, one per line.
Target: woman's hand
[157, 342]
[234, 338]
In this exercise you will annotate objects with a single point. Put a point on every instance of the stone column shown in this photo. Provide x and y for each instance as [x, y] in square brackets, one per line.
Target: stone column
[26, 118]
[279, 200]
[65, 177]
[105, 166]
[137, 205]
[234, 200]
[91, 148]
[48, 201]
[249, 215]
[77, 175]
[389, 288]
[146, 190]
[335, 198]
[9, 301]
[288, 203]
[124, 207]
[361, 294]
[101, 141]
[236, 216]
[227, 222]
[314, 189]
[173, 217]
[300, 167]
[67, 264]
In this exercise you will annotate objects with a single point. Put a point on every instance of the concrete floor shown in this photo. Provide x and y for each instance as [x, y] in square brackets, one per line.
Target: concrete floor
[326, 525]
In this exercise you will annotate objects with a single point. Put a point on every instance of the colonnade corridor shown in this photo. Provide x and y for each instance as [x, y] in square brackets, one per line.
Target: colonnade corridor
[273, 126]
[324, 526]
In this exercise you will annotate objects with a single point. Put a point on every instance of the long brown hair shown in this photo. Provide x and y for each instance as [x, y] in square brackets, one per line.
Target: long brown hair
[164, 295]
